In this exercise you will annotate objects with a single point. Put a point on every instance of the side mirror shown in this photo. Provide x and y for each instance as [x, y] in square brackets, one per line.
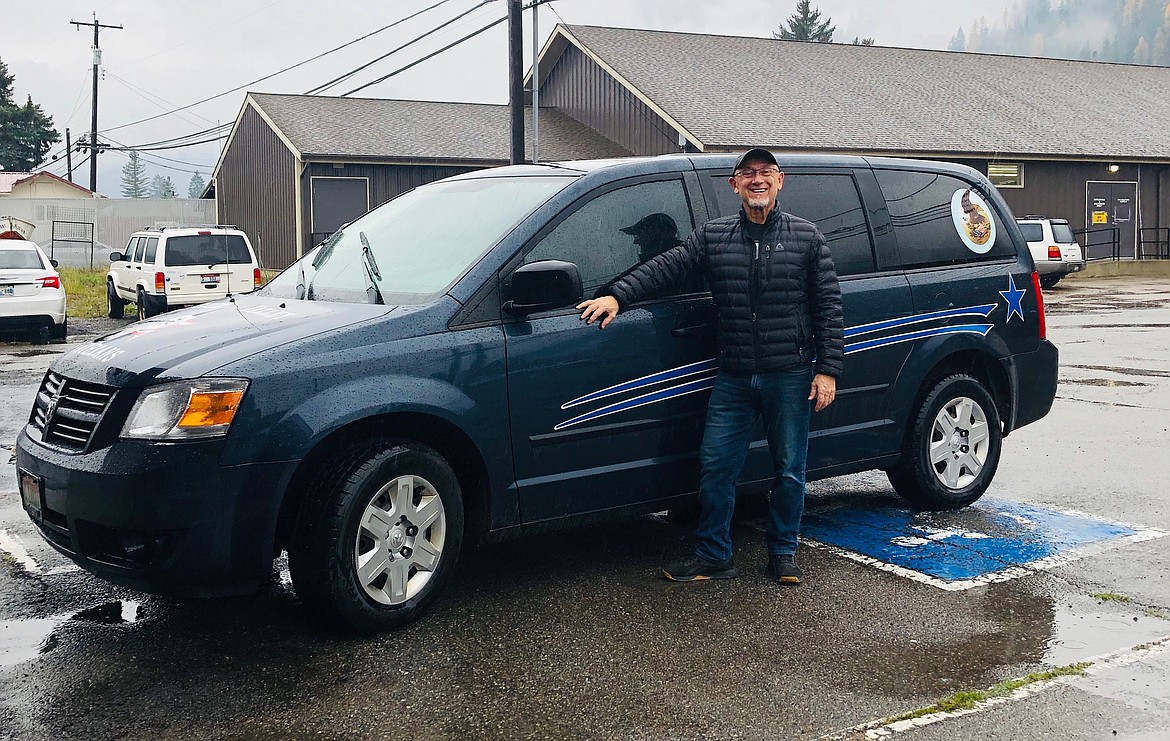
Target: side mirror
[117, 257]
[53, 262]
[543, 286]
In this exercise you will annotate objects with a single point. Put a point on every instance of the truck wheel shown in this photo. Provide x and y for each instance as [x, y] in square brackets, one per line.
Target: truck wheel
[115, 306]
[378, 536]
[145, 309]
[952, 448]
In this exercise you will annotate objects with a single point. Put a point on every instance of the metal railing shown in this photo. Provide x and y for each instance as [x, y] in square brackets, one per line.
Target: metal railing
[1154, 243]
[73, 232]
[1102, 243]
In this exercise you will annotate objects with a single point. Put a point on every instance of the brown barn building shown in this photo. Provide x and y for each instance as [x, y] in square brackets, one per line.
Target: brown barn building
[1085, 141]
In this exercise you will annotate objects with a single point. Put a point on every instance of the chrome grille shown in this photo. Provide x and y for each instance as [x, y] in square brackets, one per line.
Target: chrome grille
[67, 411]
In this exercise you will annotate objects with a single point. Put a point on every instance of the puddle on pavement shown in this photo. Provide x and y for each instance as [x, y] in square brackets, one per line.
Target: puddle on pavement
[1084, 627]
[23, 640]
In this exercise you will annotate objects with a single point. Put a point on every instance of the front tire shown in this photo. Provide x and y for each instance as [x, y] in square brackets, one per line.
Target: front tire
[115, 306]
[378, 536]
[952, 448]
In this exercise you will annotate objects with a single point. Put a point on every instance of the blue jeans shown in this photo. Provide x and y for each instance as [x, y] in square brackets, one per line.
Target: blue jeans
[781, 399]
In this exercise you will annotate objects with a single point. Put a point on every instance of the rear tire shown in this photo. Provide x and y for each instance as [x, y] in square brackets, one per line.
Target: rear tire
[59, 331]
[1050, 281]
[115, 306]
[378, 536]
[952, 447]
[145, 310]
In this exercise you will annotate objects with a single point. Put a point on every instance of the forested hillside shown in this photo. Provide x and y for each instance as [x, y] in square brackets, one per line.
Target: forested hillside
[1129, 31]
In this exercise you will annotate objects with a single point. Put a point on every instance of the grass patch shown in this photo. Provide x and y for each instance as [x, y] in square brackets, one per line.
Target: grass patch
[1110, 597]
[85, 291]
[1154, 612]
[970, 698]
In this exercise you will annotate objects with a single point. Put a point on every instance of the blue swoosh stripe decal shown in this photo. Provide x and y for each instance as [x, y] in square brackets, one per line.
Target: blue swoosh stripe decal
[981, 329]
[662, 376]
[983, 310]
[691, 387]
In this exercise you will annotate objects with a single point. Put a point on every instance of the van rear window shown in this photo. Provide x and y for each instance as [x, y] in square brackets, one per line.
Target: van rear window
[207, 249]
[927, 221]
[1062, 233]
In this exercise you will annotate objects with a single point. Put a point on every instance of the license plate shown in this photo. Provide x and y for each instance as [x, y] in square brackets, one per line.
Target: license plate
[210, 279]
[30, 493]
[7, 290]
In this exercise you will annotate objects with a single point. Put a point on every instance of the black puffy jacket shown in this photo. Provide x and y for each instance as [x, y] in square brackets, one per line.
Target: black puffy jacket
[779, 302]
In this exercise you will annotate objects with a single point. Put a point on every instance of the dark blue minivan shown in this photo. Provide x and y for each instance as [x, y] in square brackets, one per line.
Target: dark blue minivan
[422, 379]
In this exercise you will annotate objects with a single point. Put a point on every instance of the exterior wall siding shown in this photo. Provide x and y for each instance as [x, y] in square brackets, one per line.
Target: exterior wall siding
[255, 190]
[386, 182]
[580, 88]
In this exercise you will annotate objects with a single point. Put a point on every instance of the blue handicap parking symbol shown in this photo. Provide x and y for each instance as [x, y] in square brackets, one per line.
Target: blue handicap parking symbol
[992, 540]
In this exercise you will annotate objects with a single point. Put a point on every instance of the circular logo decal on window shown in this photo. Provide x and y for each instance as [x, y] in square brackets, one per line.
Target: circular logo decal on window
[972, 217]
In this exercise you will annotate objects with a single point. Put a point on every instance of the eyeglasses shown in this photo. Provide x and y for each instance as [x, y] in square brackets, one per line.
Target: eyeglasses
[764, 172]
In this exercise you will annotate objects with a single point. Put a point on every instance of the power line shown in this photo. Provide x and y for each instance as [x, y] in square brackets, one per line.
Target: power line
[415, 40]
[383, 78]
[280, 72]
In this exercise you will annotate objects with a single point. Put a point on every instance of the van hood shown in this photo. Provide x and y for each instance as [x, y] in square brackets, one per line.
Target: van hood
[192, 342]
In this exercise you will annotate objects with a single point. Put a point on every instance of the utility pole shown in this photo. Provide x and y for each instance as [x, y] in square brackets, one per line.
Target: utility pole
[516, 78]
[68, 154]
[535, 82]
[97, 60]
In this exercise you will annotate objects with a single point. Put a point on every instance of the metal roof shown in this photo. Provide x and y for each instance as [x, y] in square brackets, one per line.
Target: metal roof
[735, 92]
[414, 130]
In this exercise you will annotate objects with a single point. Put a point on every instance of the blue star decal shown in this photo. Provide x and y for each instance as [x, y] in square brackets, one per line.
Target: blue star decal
[1013, 296]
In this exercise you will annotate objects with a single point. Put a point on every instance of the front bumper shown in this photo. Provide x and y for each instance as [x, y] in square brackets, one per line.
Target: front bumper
[160, 518]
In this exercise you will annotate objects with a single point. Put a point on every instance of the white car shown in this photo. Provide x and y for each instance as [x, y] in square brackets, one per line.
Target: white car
[1054, 248]
[176, 266]
[32, 298]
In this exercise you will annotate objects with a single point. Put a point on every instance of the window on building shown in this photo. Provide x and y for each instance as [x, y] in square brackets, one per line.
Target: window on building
[942, 220]
[1006, 174]
[618, 230]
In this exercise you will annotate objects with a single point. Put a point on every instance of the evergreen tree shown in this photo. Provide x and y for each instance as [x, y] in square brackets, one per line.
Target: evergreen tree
[806, 25]
[162, 187]
[868, 41]
[134, 177]
[1141, 52]
[26, 133]
[958, 41]
[196, 186]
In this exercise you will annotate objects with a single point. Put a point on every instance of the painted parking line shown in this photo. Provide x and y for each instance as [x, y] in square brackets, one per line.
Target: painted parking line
[11, 545]
[993, 540]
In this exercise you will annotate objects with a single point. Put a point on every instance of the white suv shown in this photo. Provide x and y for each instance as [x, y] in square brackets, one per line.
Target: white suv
[1054, 248]
[170, 266]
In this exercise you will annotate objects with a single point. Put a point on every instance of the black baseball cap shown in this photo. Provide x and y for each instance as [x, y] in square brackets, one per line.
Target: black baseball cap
[758, 154]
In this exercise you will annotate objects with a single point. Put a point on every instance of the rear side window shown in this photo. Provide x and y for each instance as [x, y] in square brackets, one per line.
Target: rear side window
[831, 202]
[1062, 233]
[20, 259]
[151, 248]
[138, 249]
[942, 220]
[206, 249]
[1032, 232]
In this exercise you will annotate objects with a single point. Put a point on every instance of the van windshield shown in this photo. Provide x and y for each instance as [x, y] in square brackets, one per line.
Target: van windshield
[420, 243]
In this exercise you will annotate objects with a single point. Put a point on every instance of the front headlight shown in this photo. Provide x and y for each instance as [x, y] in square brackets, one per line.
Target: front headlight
[186, 410]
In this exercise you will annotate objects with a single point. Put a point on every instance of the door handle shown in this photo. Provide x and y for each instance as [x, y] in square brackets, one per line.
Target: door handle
[692, 329]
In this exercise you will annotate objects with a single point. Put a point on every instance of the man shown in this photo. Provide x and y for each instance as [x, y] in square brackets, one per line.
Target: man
[780, 348]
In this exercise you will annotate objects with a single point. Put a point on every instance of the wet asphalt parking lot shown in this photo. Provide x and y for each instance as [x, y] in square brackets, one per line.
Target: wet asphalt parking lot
[1062, 567]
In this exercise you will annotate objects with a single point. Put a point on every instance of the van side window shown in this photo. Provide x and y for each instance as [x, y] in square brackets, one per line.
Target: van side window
[927, 234]
[151, 247]
[617, 231]
[827, 200]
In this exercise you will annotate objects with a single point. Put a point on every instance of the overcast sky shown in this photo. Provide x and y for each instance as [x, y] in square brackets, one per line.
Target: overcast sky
[170, 54]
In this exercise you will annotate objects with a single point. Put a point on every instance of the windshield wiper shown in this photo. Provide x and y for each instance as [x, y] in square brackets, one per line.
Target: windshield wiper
[373, 275]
